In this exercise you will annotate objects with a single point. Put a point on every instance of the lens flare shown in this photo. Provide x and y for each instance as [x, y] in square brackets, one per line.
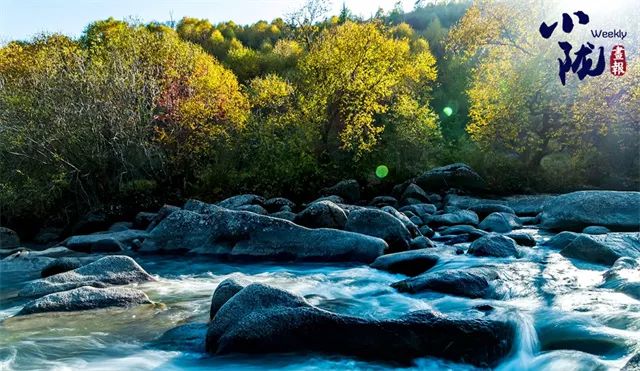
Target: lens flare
[382, 171]
[448, 111]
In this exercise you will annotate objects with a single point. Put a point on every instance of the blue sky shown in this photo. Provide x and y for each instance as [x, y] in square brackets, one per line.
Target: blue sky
[21, 19]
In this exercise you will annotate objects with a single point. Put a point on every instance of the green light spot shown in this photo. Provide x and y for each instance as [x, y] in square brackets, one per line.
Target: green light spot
[448, 111]
[382, 171]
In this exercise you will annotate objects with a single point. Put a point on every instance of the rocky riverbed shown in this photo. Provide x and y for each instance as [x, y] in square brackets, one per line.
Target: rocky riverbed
[428, 277]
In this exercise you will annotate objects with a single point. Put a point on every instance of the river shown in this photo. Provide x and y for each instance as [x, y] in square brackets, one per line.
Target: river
[566, 321]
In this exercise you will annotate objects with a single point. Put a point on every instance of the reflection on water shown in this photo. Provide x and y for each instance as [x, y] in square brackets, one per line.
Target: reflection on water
[565, 320]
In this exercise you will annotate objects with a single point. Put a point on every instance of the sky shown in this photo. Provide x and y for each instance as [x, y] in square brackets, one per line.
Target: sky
[21, 19]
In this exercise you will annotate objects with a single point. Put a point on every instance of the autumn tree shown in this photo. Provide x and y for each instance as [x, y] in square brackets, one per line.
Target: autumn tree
[356, 73]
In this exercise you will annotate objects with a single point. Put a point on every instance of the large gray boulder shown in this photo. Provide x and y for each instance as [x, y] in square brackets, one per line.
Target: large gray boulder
[225, 291]
[410, 263]
[348, 190]
[241, 234]
[8, 238]
[618, 211]
[500, 222]
[322, 214]
[273, 205]
[469, 282]
[495, 245]
[414, 192]
[483, 210]
[164, 211]
[86, 298]
[264, 319]
[110, 270]
[93, 242]
[458, 217]
[463, 229]
[603, 249]
[457, 175]
[377, 223]
[561, 240]
[411, 226]
[530, 205]
[241, 200]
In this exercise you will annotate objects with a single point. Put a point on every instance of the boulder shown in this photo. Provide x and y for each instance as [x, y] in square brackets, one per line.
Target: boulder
[286, 215]
[120, 226]
[60, 265]
[256, 209]
[29, 260]
[529, 205]
[459, 217]
[333, 198]
[164, 211]
[473, 232]
[381, 201]
[457, 175]
[413, 191]
[349, 190]
[495, 245]
[483, 209]
[225, 290]
[603, 249]
[618, 211]
[624, 276]
[107, 245]
[264, 319]
[8, 238]
[426, 231]
[421, 242]
[410, 223]
[241, 200]
[110, 270]
[273, 205]
[377, 223]
[241, 234]
[424, 211]
[86, 298]
[522, 239]
[561, 240]
[143, 219]
[500, 222]
[596, 229]
[85, 243]
[322, 214]
[468, 282]
[410, 263]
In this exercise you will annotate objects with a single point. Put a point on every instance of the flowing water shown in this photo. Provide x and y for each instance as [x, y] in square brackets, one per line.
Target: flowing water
[565, 321]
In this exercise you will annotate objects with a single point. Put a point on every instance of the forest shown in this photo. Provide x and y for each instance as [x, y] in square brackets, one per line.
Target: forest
[130, 115]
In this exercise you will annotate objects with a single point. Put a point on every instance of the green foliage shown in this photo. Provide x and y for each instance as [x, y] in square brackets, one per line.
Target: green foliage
[125, 103]
[130, 115]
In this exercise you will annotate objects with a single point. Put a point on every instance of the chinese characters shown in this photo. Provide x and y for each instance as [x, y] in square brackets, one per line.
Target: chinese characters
[582, 64]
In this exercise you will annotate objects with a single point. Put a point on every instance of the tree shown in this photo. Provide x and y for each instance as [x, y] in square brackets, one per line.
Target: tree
[352, 75]
[305, 20]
